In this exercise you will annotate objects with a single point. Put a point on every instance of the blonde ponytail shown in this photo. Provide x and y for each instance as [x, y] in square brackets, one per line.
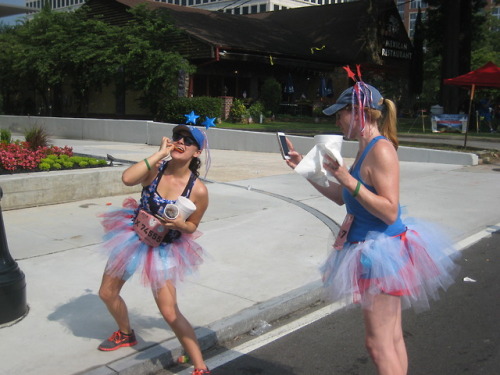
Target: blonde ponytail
[388, 126]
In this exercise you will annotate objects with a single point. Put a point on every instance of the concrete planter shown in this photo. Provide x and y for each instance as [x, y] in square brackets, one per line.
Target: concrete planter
[45, 188]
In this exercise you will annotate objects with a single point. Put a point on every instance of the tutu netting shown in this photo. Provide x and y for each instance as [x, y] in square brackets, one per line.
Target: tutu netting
[127, 254]
[414, 265]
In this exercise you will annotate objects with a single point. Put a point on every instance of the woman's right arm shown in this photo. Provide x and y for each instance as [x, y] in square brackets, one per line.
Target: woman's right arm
[332, 192]
[144, 171]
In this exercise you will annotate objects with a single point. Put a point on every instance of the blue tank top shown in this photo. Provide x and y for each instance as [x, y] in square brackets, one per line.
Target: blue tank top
[364, 221]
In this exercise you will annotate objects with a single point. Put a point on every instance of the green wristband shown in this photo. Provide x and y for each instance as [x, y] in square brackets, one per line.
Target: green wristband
[356, 191]
[147, 164]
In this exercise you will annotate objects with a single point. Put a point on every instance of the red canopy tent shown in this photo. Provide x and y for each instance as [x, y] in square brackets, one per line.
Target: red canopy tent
[485, 76]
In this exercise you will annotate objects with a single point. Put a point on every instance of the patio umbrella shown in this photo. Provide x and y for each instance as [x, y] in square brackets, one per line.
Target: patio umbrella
[485, 76]
[289, 89]
[322, 88]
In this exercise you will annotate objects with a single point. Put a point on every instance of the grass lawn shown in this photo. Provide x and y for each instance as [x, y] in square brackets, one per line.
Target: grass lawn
[307, 126]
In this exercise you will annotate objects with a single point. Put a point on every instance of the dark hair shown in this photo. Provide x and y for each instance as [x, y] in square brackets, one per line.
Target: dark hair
[195, 165]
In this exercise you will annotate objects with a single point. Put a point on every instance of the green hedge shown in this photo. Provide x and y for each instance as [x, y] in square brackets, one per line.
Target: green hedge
[203, 106]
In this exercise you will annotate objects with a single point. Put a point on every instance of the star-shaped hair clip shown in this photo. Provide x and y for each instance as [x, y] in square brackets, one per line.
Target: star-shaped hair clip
[209, 122]
[191, 118]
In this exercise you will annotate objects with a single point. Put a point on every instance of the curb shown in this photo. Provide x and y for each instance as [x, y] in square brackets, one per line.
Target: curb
[164, 354]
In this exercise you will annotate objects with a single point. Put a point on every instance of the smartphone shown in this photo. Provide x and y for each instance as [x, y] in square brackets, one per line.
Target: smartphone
[283, 145]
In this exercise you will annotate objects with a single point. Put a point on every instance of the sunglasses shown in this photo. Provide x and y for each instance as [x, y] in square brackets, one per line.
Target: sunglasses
[188, 141]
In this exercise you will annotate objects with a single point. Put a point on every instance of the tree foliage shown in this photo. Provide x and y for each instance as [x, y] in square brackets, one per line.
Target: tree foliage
[457, 36]
[59, 51]
[151, 63]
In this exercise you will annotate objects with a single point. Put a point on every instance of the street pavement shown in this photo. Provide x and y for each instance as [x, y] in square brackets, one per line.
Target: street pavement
[266, 232]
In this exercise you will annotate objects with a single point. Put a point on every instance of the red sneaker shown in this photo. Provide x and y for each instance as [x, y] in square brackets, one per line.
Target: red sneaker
[118, 340]
[201, 372]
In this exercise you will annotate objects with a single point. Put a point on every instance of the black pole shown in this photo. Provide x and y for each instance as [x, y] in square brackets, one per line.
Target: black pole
[12, 282]
[472, 89]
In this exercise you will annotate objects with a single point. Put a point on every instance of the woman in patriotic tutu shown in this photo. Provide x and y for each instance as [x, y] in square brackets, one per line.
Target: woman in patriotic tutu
[379, 260]
[141, 239]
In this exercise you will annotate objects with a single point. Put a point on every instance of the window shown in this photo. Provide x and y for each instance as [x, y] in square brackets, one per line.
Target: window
[237, 10]
[401, 8]
[244, 10]
[276, 7]
[262, 8]
[495, 12]
[415, 4]
[253, 9]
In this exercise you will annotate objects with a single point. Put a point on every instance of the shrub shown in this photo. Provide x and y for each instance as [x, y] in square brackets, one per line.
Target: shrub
[48, 161]
[5, 136]
[203, 106]
[44, 167]
[238, 112]
[270, 95]
[255, 110]
[18, 156]
[36, 137]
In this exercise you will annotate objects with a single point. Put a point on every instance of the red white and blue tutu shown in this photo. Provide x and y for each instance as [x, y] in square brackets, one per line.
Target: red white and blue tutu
[414, 266]
[128, 255]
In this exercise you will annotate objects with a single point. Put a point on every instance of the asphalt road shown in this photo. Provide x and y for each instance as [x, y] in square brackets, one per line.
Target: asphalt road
[460, 334]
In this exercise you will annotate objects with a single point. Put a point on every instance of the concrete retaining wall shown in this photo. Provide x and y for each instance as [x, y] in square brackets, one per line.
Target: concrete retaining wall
[148, 132]
[45, 188]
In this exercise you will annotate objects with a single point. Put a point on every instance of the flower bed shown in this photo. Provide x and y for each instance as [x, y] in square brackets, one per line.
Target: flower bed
[19, 157]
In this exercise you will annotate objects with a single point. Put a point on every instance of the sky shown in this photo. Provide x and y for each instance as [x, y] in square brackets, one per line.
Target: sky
[12, 19]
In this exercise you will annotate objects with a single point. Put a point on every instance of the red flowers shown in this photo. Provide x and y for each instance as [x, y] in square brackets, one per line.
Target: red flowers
[17, 157]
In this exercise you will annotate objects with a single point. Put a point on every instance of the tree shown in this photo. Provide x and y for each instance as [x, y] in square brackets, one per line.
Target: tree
[417, 77]
[450, 28]
[151, 63]
[55, 54]
[270, 95]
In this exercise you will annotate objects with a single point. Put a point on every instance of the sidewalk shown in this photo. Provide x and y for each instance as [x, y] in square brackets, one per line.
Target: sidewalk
[266, 232]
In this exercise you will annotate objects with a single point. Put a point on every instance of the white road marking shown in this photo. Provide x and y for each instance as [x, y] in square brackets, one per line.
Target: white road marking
[282, 331]
[267, 338]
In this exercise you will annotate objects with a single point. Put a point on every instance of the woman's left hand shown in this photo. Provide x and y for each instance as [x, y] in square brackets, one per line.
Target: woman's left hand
[336, 170]
[176, 224]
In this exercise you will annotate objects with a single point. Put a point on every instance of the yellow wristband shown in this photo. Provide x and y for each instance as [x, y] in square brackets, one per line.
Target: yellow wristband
[147, 164]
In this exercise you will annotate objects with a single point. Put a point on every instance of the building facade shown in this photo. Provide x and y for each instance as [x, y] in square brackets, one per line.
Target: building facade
[408, 9]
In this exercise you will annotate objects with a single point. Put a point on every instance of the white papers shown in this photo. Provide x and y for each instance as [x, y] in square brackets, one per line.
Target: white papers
[311, 166]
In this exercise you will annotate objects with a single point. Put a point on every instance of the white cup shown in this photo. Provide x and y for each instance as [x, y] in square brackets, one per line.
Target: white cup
[186, 207]
[183, 207]
[331, 144]
[171, 211]
[334, 140]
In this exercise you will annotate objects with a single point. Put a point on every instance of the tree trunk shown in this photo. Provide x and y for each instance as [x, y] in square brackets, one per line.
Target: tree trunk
[451, 53]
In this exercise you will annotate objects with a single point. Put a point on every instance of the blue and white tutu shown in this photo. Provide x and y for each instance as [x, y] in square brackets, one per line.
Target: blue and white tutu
[413, 265]
[127, 254]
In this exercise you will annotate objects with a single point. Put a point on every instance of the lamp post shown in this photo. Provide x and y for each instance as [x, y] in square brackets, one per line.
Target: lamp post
[12, 282]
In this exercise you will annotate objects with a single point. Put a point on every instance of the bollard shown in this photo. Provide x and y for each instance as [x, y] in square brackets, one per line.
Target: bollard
[12, 282]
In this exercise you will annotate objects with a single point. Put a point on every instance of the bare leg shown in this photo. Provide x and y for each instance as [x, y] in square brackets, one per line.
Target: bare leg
[384, 335]
[399, 342]
[109, 292]
[166, 299]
